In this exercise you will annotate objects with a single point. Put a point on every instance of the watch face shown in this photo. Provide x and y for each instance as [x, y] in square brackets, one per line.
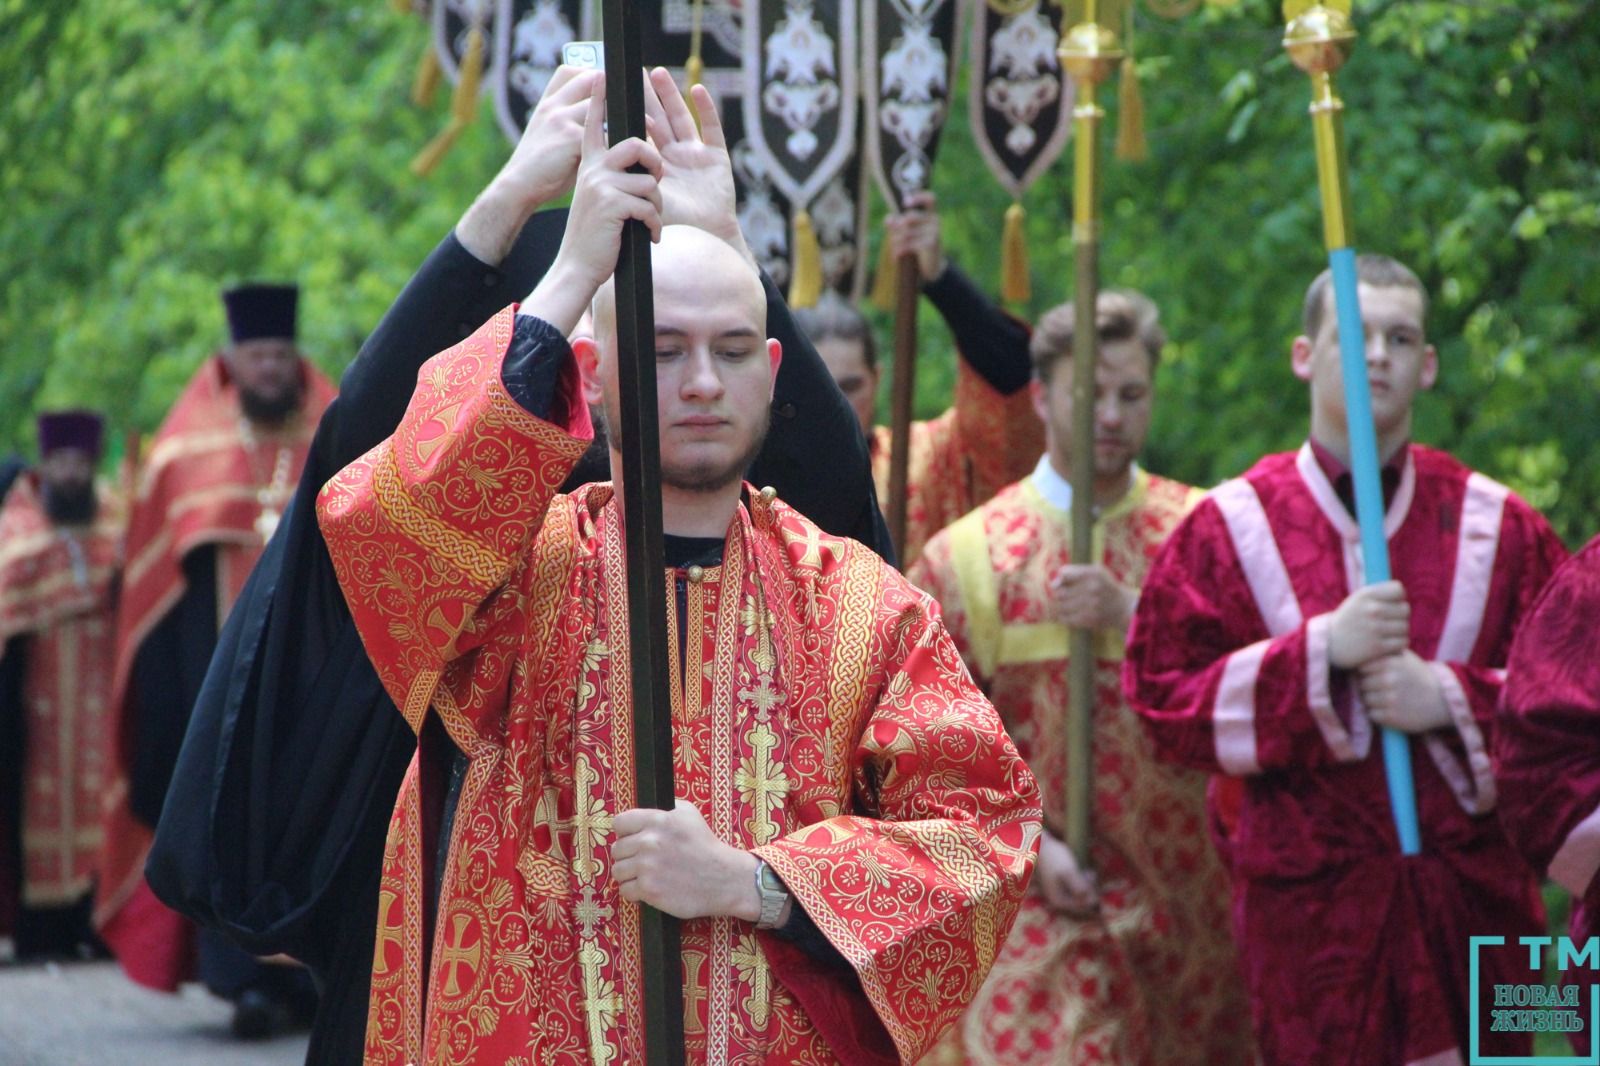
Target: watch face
[770, 881]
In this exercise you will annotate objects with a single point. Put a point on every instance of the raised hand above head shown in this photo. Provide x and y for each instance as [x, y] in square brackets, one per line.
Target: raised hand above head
[544, 163]
[541, 168]
[697, 173]
[607, 195]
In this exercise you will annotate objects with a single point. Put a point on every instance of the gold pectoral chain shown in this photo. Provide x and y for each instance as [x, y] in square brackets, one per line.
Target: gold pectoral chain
[274, 494]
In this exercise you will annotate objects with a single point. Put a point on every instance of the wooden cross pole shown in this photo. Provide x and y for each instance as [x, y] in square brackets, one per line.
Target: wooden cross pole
[639, 442]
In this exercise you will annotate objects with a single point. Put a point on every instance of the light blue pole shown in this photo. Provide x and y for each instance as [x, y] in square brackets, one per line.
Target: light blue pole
[1369, 513]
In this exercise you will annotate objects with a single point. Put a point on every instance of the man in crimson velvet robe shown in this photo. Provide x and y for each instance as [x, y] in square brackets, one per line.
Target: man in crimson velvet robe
[1546, 749]
[824, 725]
[1256, 651]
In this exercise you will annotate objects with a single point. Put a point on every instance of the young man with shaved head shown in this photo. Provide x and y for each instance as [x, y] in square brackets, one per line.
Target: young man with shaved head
[853, 827]
[494, 606]
[1257, 650]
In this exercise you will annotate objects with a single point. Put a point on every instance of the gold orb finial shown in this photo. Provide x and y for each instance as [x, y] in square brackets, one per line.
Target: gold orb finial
[1319, 38]
[1089, 52]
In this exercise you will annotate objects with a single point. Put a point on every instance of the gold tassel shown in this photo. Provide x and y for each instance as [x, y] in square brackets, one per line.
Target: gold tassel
[425, 86]
[884, 281]
[805, 282]
[401, 7]
[1131, 145]
[428, 159]
[464, 104]
[693, 70]
[1014, 286]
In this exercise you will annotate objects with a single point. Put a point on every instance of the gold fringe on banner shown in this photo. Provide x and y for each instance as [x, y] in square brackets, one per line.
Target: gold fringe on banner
[428, 159]
[464, 104]
[695, 69]
[1131, 144]
[1014, 285]
[425, 86]
[883, 278]
[805, 281]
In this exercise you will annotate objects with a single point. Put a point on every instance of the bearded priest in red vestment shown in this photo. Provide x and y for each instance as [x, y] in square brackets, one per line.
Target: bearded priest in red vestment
[1126, 959]
[1547, 749]
[60, 553]
[854, 828]
[1257, 650]
[217, 476]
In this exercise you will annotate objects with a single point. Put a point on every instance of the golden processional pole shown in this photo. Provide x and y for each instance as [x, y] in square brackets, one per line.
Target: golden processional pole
[1319, 38]
[1089, 53]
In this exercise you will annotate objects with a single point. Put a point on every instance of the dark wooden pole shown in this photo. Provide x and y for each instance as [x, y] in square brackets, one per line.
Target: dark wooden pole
[906, 291]
[640, 445]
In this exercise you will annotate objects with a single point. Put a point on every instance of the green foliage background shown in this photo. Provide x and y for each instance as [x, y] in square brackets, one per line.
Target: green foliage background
[151, 153]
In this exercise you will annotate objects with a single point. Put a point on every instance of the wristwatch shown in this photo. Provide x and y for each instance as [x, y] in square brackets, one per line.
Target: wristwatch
[774, 895]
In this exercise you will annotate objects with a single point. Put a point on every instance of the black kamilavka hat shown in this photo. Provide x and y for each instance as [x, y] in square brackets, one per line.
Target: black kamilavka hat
[83, 430]
[262, 312]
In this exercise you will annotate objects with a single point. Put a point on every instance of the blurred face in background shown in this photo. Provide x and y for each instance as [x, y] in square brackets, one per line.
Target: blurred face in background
[269, 376]
[846, 361]
[66, 480]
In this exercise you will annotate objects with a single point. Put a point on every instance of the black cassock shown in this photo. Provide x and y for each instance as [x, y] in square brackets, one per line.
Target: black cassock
[274, 825]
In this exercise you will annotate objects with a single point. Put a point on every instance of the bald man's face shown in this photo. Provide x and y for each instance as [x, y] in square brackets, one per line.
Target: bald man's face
[715, 367]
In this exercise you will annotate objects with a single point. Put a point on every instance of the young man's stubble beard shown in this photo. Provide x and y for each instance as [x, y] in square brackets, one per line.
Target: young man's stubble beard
[699, 477]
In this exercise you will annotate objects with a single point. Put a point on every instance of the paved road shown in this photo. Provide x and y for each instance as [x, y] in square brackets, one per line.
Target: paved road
[88, 1014]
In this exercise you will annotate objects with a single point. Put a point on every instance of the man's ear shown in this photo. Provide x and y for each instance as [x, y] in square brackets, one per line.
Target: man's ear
[1430, 368]
[587, 352]
[1036, 393]
[775, 356]
[1300, 357]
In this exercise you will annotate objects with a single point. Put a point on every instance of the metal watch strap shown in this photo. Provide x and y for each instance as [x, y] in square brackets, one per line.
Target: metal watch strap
[773, 895]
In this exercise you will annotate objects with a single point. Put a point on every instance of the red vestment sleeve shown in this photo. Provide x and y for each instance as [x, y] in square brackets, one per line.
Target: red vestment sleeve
[1215, 689]
[919, 890]
[426, 527]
